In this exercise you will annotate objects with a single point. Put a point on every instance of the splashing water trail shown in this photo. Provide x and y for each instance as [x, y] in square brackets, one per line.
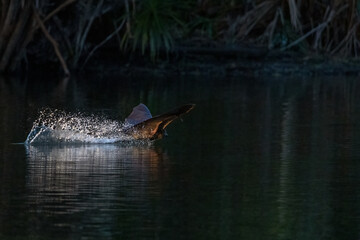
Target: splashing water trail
[57, 126]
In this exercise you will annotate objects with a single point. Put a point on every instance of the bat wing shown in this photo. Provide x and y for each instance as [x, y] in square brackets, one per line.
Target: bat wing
[153, 128]
[139, 114]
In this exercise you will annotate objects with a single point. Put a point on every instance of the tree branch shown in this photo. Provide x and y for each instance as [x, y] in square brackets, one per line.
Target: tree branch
[15, 39]
[318, 28]
[58, 9]
[53, 42]
[102, 43]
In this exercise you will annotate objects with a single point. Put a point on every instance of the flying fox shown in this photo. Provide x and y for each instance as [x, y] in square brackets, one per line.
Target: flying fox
[142, 125]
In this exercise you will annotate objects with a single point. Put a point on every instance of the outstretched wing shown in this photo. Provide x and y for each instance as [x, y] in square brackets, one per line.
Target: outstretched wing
[139, 114]
[152, 128]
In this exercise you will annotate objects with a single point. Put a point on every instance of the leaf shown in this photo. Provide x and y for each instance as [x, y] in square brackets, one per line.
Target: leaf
[154, 25]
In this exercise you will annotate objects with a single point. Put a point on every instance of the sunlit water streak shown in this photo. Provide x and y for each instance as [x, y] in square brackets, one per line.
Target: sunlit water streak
[86, 183]
[56, 126]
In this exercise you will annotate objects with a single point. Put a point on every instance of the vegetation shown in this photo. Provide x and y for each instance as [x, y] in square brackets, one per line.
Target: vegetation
[72, 31]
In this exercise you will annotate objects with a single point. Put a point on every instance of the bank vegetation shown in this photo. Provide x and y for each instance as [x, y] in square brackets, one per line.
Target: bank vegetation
[71, 32]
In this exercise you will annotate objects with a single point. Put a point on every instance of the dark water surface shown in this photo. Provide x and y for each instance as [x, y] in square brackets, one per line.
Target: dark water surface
[256, 159]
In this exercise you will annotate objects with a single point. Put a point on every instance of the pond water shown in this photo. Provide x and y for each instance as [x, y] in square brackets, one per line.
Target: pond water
[258, 158]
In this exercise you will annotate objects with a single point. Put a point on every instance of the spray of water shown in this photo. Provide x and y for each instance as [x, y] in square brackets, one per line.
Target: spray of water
[57, 126]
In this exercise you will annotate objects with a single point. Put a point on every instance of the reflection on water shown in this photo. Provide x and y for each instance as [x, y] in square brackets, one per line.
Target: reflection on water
[92, 185]
[257, 159]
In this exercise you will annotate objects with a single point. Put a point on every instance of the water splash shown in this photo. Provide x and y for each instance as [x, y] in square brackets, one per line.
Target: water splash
[57, 126]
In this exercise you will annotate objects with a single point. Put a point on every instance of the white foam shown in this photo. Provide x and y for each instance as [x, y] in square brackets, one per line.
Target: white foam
[55, 126]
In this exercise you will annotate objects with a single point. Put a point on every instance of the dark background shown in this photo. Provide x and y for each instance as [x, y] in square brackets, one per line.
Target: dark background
[230, 36]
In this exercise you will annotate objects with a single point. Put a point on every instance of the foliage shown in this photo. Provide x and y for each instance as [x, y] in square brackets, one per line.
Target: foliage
[78, 28]
[153, 25]
[320, 25]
